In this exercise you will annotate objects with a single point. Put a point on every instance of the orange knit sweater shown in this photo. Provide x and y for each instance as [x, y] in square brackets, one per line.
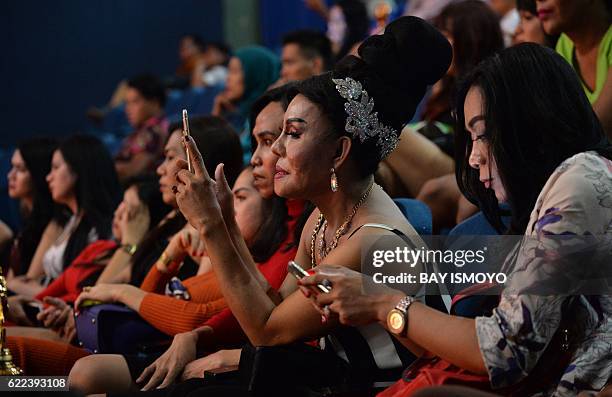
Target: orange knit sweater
[171, 315]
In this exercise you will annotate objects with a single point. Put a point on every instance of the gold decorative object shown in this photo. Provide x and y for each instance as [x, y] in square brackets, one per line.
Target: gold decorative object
[6, 358]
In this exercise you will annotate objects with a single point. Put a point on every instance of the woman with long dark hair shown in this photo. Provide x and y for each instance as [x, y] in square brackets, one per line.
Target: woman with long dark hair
[526, 136]
[141, 209]
[30, 165]
[83, 181]
[474, 32]
[146, 253]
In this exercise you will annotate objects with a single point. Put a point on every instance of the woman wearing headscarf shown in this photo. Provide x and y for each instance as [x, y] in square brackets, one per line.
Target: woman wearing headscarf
[251, 71]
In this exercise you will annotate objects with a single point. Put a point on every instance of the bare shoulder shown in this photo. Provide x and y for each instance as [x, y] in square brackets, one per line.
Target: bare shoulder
[381, 209]
[53, 229]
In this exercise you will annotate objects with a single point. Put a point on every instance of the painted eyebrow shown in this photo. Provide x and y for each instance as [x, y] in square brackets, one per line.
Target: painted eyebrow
[263, 133]
[246, 189]
[474, 120]
[296, 120]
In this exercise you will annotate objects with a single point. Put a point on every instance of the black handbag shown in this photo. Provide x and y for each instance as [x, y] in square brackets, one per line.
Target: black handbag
[297, 369]
[111, 328]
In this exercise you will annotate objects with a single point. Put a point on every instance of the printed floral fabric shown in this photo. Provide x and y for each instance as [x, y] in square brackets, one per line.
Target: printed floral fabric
[150, 138]
[576, 201]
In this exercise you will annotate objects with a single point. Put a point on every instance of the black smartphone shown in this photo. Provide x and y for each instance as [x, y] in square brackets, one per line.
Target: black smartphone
[31, 310]
[221, 373]
[300, 273]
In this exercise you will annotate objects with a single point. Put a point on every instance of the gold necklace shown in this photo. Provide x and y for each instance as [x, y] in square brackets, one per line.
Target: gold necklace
[341, 231]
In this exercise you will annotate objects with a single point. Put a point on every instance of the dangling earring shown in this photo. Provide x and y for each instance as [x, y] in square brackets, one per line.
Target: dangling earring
[334, 180]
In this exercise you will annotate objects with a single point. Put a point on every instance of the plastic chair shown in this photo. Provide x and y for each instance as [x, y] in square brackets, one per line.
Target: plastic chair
[417, 213]
[474, 305]
[476, 225]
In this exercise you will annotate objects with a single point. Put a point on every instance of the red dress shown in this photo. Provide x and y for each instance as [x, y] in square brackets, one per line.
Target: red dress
[226, 328]
[68, 285]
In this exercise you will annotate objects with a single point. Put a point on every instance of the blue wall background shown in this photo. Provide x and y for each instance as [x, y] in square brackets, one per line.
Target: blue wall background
[278, 17]
[60, 57]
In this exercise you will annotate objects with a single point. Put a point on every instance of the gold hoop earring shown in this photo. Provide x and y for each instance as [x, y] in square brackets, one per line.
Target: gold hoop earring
[333, 180]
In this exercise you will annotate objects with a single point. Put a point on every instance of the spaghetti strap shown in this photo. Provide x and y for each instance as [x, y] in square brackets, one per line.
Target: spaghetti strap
[379, 226]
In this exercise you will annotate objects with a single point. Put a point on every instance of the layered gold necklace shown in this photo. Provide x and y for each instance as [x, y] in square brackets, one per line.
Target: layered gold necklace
[324, 249]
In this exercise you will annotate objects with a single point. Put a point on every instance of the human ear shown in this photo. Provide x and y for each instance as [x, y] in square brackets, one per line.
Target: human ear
[343, 148]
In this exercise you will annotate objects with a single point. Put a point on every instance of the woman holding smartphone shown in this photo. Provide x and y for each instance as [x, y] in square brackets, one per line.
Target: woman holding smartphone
[276, 244]
[557, 343]
[337, 128]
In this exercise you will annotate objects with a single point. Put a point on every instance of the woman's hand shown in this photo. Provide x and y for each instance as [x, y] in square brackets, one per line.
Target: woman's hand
[222, 104]
[196, 193]
[58, 316]
[54, 316]
[186, 242]
[127, 294]
[106, 293]
[170, 364]
[134, 224]
[16, 312]
[222, 358]
[355, 297]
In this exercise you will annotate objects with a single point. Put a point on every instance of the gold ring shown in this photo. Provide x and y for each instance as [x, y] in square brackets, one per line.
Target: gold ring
[86, 289]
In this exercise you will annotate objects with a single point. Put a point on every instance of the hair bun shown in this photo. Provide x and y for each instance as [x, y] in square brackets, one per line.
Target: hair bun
[411, 51]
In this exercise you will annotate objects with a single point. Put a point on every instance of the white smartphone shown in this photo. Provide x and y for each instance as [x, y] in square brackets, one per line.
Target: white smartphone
[300, 273]
[186, 133]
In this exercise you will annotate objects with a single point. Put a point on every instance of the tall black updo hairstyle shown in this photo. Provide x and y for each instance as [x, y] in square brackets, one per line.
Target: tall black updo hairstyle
[395, 69]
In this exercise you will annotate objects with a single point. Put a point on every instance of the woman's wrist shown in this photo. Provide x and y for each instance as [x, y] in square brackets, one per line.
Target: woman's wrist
[173, 252]
[119, 293]
[385, 303]
[211, 226]
[130, 240]
[166, 262]
[191, 336]
[128, 248]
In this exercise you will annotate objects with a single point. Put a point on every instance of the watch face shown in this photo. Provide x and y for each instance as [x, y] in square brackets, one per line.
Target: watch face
[395, 321]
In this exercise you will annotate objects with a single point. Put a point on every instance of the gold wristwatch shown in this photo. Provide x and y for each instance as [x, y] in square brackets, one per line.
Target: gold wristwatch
[397, 319]
[129, 248]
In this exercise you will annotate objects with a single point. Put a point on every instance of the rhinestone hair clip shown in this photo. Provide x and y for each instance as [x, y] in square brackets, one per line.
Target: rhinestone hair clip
[362, 121]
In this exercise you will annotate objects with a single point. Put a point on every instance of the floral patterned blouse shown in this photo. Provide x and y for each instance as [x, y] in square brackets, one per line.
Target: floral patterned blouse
[575, 201]
[149, 138]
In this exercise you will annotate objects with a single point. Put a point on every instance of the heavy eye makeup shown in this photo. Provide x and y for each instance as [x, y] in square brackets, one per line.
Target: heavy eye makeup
[294, 127]
[480, 137]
